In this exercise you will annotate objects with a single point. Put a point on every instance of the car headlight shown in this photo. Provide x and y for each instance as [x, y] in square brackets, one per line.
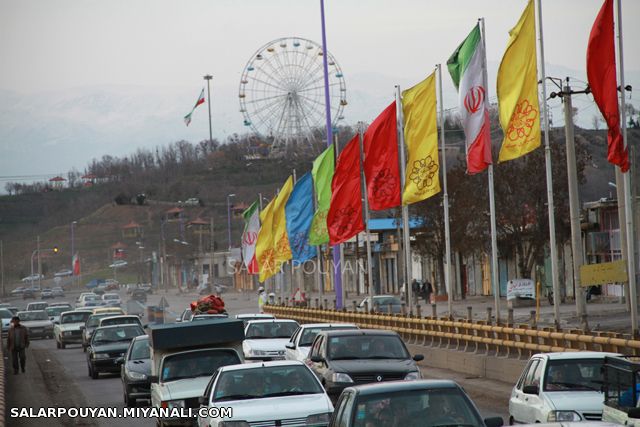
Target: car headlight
[341, 378]
[175, 404]
[558, 416]
[233, 424]
[318, 419]
[415, 375]
[136, 375]
[100, 355]
[258, 352]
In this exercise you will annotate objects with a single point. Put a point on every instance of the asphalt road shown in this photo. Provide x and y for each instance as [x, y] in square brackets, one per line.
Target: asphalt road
[60, 377]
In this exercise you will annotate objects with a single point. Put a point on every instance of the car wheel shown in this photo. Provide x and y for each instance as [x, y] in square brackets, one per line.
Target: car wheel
[510, 421]
[84, 348]
[94, 374]
[63, 345]
[89, 369]
[57, 344]
[129, 401]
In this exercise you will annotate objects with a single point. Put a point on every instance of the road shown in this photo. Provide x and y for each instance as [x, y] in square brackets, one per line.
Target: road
[60, 378]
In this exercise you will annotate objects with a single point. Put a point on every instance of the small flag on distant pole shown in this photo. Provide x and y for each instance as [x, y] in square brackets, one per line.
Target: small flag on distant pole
[187, 118]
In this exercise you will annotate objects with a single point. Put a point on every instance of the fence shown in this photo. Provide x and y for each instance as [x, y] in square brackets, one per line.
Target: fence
[508, 340]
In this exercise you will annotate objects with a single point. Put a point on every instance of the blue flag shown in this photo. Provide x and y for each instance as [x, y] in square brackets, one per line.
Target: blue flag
[299, 214]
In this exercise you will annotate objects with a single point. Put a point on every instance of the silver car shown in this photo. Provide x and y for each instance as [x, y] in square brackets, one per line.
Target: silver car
[37, 323]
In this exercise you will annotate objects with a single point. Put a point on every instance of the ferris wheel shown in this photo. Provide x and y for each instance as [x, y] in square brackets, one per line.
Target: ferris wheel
[282, 91]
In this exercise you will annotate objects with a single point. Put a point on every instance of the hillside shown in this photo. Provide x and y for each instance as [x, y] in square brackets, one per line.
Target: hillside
[209, 175]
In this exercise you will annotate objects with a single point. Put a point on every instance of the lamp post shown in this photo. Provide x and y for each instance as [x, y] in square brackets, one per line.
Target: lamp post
[229, 196]
[73, 225]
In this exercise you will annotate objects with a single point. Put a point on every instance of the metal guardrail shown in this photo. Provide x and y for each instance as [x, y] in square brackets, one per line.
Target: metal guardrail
[477, 336]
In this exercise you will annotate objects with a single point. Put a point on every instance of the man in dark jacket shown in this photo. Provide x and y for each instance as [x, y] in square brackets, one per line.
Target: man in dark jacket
[17, 342]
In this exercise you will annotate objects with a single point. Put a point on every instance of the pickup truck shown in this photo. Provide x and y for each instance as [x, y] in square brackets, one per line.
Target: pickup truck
[184, 356]
[621, 386]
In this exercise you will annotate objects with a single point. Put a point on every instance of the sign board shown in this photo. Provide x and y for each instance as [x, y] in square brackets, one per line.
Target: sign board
[603, 273]
[163, 302]
[521, 288]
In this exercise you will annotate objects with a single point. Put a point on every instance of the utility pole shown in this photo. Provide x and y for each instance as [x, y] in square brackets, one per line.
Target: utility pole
[574, 198]
[39, 266]
[208, 78]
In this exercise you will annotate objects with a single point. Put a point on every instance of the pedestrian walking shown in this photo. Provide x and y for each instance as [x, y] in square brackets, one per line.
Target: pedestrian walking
[17, 343]
[428, 290]
[415, 288]
[261, 299]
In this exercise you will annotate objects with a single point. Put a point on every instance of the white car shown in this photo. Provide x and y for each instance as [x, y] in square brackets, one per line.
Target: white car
[271, 393]
[37, 323]
[266, 339]
[298, 347]
[254, 316]
[111, 300]
[89, 301]
[5, 317]
[69, 330]
[55, 312]
[32, 278]
[559, 387]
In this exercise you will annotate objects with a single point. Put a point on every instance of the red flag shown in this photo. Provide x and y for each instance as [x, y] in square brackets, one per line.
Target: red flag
[344, 219]
[601, 73]
[76, 265]
[381, 166]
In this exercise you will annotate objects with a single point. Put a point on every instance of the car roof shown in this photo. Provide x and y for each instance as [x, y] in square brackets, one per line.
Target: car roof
[141, 337]
[128, 325]
[356, 332]
[76, 311]
[37, 302]
[32, 311]
[59, 304]
[573, 355]
[252, 322]
[126, 316]
[328, 325]
[257, 365]
[256, 315]
[392, 386]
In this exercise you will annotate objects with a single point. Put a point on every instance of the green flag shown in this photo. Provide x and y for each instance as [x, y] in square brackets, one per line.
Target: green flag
[322, 172]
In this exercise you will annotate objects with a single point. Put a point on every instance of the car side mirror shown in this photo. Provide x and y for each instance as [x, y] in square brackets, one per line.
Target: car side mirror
[530, 389]
[202, 400]
[317, 359]
[494, 422]
[153, 378]
[418, 357]
[633, 413]
[290, 345]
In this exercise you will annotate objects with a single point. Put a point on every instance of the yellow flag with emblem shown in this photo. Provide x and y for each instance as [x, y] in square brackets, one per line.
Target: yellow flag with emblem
[282, 250]
[518, 90]
[422, 179]
[264, 243]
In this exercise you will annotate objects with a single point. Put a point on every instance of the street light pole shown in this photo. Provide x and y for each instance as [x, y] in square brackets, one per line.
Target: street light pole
[73, 224]
[229, 219]
[208, 78]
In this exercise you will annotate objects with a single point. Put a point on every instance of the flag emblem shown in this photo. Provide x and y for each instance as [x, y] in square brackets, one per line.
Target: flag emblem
[523, 119]
[384, 183]
[474, 99]
[423, 172]
[344, 220]
[250, 238]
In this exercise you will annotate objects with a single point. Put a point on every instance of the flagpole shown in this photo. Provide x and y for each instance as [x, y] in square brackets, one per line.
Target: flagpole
[208, 78]
[337, 267]
[492, 200]
[318, 266]
[547, 156]
[366, 212]
[405, 208]
[447, 236]
[629, 203]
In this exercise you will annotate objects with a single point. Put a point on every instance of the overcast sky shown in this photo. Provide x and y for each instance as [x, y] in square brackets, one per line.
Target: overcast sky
[49, 45]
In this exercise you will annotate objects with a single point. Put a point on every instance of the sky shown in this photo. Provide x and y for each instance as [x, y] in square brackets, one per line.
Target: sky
[64, 49]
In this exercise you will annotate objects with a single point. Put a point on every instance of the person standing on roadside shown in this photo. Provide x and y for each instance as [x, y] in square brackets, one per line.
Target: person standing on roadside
[17, 343]
[261, 299]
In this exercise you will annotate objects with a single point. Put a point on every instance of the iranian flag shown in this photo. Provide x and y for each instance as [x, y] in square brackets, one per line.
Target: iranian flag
[250, 237]
[467, 69]
[200, 101]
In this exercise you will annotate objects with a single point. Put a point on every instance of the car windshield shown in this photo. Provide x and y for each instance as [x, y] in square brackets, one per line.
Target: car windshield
[271, 330]
[38, 306]
[5, 313]
[94, 319]
[111, 296]
[258, 383]
[386, 300]
[433, 408]
[196, 364]
[56, 311]
[563, 375]
[75, 317]
[121, 321]
[116, 334]
[207, 317]
[140, 350]
[26, 316]
[309, 334]
[91, 298]
[366, 347]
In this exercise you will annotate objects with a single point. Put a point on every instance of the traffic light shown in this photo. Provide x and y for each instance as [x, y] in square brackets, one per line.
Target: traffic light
[55, 250]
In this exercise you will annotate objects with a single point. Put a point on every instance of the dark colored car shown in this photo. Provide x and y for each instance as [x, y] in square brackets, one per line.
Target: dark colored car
[139, 295]
[92, 323]
[408, 404]
[28, 293]
[108, 346]
[135, 371]
[342, 358]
